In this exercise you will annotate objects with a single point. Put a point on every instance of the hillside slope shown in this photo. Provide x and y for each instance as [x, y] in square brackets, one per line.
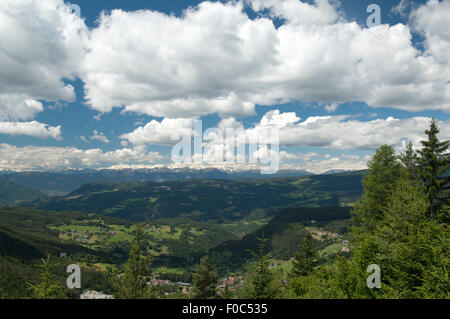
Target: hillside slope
[284, 233]
[28, 234]
[24, 234]
[12, 193]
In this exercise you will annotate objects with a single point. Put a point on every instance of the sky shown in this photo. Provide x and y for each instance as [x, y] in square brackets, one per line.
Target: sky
[105, 86]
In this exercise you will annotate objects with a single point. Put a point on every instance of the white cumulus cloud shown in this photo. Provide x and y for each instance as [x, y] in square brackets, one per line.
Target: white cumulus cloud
[159, 133]
[215, 59]
[32, 128]
[41, 44]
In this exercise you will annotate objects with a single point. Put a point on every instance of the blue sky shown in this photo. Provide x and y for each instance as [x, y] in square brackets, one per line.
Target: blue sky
[81, 119]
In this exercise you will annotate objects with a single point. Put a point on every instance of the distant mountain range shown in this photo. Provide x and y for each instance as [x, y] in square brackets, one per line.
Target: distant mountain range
[59, 183]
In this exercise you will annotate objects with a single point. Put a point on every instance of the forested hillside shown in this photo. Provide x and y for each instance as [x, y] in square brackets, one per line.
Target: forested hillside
[203, 200]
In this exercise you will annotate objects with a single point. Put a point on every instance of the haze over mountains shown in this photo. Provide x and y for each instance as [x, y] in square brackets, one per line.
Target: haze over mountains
[11, 193]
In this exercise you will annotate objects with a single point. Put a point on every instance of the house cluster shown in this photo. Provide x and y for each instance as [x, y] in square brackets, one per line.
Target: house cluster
[156, 282]
[76, 235]
[182, 286]
[327, 234]
[233, 283]
[322, 234]
[162, 229]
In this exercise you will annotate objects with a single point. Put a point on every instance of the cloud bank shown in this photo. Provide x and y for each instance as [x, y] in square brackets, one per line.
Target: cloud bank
[54, 158]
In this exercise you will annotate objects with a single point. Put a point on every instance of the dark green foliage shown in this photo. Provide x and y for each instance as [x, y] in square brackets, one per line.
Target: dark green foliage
[413, 249]
[261, 282]
[305, 259]
[379, 181]
[410, 250]
[14, 274]
[205, 280]
[433, 164]
[285, 243]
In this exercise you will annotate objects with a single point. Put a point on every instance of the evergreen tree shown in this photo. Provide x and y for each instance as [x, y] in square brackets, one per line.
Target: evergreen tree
[205, 280]
[384, 170]
[48, 287]
[132, 283]
[261, 281]
[433, 163]
[409, 159]
[305, 259]
[412, 249]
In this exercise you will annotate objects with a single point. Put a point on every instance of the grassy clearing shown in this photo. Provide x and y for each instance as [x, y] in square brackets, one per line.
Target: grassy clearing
[331, 249]
[165, 270]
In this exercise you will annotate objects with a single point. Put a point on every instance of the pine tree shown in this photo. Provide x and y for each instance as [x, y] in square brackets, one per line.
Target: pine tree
[205, 280]
[409, 159]
[305, 259]
[132, 284]
[260, 281]
[433, 163]
[49, 287]
[383, 171]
